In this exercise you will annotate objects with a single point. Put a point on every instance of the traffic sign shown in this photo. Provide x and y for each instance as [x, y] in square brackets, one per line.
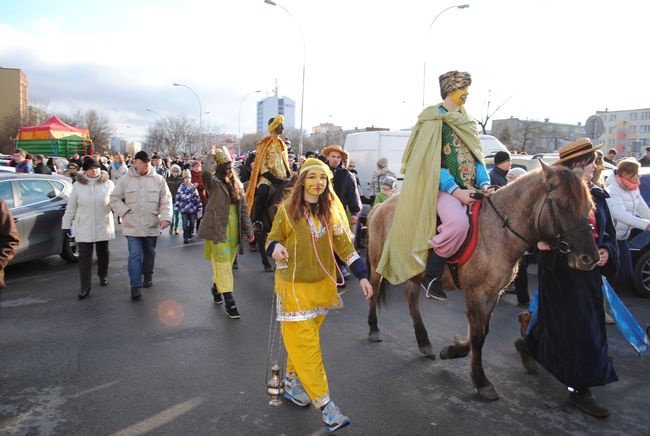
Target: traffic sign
[594, 127]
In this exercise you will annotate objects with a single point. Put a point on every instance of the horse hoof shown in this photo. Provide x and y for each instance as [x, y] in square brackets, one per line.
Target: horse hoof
[488, 393]
[427, 350]
[445, 353]
[374, 336]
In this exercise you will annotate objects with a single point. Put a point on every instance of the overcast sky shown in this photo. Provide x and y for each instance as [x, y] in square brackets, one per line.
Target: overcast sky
[554, 59]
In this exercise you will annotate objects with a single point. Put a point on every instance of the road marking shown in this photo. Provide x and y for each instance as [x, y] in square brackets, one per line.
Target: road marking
[160, 419]
[24, 302]
[88, 391]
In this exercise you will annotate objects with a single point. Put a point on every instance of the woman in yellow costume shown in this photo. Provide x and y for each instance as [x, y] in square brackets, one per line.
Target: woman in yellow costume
[224, 223]
[309, 228]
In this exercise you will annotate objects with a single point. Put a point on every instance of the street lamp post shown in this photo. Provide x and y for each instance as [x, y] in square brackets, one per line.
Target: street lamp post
[424, 69]
[304, 62]
[155, 112]
[239, 123]
[200, 107]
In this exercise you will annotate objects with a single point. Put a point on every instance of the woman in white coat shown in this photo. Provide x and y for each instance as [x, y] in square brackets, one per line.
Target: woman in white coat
[88, 215]
[629, 211]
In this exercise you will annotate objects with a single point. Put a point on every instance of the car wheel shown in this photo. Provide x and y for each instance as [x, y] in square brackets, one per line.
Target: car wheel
[642, 275]
[70, 250]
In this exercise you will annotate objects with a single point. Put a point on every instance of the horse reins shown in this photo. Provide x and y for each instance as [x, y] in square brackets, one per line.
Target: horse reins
[562, 245]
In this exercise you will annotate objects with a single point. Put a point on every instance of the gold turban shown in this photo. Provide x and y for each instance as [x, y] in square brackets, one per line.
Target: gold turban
[453, 80]
[221, 156]
[275, 123]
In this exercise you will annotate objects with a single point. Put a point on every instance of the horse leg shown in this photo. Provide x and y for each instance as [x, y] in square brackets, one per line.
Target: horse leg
[456, 350]
[260, 238]
[373, 335]
[479, 312]
[412, 295]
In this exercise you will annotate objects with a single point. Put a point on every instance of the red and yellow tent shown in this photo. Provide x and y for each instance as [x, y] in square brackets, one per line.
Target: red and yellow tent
[53, 137]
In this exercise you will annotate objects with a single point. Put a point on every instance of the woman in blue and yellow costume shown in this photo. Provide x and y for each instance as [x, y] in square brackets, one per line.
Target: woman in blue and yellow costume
[224, 224]
[308, 230]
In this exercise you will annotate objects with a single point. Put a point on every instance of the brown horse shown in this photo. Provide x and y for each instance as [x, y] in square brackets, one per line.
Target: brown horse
[550, 204]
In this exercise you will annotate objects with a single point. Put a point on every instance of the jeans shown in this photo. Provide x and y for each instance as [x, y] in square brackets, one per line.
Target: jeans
[142, 254]
[176, 220]
[86, 261]
[189, 220]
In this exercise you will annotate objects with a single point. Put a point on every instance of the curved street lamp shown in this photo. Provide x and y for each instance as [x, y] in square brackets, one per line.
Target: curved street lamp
[239, 137]
[304, 61]
[424, 70]
[200, 107]
[155, 112]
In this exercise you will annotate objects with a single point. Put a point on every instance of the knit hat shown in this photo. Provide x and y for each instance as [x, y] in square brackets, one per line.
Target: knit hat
[174, 167]
[516, 172]
[89, 162]
[187, 174]
[143, 156]
[382, 162]
[501, 156]
[312, 162]
[389, 181]
[73, 164]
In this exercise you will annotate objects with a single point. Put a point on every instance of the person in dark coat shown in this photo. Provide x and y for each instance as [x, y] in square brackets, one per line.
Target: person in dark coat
[39, 165]
[9, 239]
[645, 160]
[502, 165]
[569, 338]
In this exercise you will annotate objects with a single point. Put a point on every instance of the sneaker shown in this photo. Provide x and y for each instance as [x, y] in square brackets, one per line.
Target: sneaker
[333, 419]
[586, 402]
[103, 281]
[268, 268]
[148, 280]
[231, 307]
[433, 288]
[295, 392]
[177, 232]
[526, 359]
[218, 298]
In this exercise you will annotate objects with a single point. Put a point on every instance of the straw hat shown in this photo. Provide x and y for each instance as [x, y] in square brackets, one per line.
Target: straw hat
[330, 148]
[579, 147]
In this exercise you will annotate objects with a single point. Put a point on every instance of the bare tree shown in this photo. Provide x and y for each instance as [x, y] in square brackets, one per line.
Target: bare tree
[98, 125]
[483, 122]
[173, 134]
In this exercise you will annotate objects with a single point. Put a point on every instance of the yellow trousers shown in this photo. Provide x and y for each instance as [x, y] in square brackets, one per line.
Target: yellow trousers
[302, 341]
[222, 275]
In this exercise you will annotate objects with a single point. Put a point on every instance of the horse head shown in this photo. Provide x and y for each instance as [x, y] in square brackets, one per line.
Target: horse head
[562, 216]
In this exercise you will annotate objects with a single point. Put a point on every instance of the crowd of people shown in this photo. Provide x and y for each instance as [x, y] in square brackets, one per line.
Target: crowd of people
[313, 233]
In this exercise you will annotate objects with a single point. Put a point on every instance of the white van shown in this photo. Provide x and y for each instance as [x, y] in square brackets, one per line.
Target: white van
[365, 149]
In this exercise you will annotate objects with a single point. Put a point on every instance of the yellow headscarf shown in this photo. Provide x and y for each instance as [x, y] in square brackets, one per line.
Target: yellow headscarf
[338, 211]
[275, 123]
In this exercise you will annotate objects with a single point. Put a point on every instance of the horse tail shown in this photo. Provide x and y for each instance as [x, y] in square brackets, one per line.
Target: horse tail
[382, 295]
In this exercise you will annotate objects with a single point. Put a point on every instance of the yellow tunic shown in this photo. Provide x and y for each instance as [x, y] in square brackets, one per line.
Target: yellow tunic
[306, 284]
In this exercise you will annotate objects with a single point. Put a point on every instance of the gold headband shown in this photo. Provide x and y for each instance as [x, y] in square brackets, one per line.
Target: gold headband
[275, 123]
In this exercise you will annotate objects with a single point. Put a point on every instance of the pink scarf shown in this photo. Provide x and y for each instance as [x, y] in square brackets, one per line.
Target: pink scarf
[627, 184]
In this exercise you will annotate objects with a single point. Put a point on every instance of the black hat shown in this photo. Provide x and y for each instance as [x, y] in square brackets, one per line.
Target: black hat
[142, 155]
[501, 156]
[89, 162]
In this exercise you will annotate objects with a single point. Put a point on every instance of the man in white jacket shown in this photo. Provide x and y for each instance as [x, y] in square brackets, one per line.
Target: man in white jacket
[143, 201]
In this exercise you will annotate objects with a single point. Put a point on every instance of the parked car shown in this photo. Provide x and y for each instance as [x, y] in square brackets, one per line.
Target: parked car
[37, 202]
[530, 162]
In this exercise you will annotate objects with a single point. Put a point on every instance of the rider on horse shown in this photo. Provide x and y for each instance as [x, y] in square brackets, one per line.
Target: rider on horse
[442, 165]
[271, 168]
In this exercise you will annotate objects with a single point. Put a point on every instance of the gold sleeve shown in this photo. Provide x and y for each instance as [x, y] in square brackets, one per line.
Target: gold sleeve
[343, 245]
[280, 228]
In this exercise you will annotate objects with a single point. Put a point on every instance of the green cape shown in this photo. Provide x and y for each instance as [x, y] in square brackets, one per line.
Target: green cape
[414, 224]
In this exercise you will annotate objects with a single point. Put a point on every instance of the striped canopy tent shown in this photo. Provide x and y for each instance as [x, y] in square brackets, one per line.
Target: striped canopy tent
[52, 128]
[53, 137]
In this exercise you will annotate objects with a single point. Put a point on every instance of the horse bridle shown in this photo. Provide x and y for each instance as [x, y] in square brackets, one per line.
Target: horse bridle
[559, 237]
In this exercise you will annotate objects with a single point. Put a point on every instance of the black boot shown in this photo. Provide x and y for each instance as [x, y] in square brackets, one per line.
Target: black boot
[231, 308]
[585, 401]
[148, 280]
[526, 358]
[84, 293]
[136, 293]
[432, 282]
[215, 295]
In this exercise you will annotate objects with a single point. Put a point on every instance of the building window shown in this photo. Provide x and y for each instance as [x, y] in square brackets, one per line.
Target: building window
[633, 116]
[612, 117]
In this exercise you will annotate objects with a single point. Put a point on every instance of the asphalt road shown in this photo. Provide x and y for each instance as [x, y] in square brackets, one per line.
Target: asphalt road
[174, 364]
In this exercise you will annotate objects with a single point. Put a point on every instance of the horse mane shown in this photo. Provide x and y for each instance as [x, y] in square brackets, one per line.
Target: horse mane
[578, 196]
